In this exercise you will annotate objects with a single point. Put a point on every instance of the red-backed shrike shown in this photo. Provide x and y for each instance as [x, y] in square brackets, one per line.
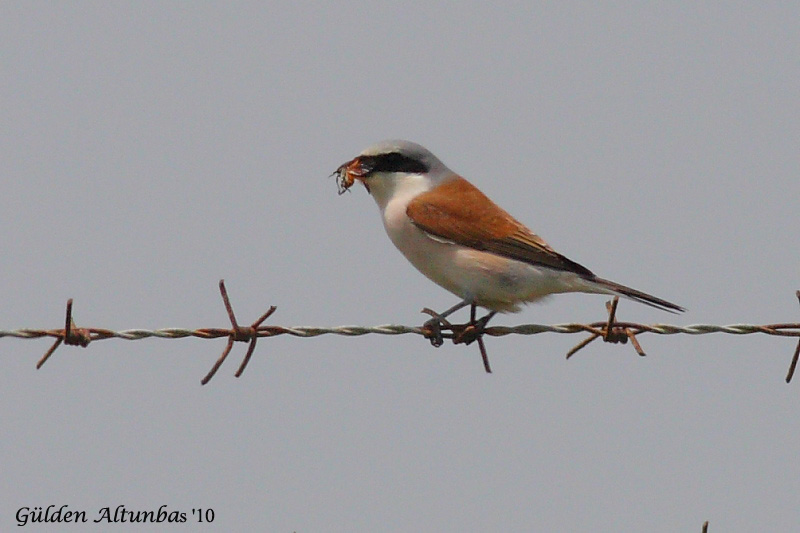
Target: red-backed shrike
[462, 240]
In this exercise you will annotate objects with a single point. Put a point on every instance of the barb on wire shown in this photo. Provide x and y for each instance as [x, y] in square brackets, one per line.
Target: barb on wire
[796, 355]
[238, 333]
[70, 335]
[610, 330]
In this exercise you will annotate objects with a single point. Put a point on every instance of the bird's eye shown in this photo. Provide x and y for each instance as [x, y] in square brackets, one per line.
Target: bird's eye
[393, 162]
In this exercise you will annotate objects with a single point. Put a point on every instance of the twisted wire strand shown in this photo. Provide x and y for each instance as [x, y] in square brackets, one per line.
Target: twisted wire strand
[610, 331]
[784, 330]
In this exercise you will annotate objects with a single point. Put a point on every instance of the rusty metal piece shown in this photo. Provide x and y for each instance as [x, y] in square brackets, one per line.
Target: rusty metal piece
[473, 331]
[581, 345]
[611, 308]
[484, 355]
[237, 334]
[793, 364]
[432, 329]
[796, 355]
[635, 342]
[70, 335]
[611, 331]
[48, 353]
[254, 327]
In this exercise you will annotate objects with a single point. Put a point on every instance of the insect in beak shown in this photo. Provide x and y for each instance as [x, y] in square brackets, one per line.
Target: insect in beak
[348, 173]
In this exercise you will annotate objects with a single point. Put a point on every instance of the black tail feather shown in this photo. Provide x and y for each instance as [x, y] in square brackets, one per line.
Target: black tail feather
[639, 296]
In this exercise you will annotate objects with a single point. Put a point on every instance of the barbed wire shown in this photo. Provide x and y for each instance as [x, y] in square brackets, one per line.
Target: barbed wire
[609, 330]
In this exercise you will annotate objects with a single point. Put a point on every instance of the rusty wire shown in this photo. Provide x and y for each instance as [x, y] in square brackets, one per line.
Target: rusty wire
[609, 330]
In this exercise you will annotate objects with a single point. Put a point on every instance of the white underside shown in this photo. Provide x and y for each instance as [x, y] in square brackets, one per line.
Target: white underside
[489, 280]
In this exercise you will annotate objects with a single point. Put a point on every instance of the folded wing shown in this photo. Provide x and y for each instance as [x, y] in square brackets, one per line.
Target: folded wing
[457, 211]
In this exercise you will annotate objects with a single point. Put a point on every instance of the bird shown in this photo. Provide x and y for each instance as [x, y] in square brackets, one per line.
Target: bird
[464, 242]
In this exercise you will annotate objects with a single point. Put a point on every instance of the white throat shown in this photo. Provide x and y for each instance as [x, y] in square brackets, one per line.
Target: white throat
[397, 188]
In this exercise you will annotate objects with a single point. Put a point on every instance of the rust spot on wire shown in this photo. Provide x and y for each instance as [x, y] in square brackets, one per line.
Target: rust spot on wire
[70, 335]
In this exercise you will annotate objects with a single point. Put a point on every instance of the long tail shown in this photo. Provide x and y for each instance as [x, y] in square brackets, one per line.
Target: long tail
[638, 296]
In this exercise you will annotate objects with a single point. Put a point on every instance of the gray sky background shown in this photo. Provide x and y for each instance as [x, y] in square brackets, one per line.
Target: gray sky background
[150, 149]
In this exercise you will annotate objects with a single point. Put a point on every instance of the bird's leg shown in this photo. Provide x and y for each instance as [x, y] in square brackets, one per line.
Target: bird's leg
[472, 330]
[481, 324]
[439, 319]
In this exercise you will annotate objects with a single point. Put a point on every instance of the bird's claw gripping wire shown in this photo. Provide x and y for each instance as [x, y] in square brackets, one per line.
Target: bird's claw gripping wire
[432, 328]
[472, 331]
